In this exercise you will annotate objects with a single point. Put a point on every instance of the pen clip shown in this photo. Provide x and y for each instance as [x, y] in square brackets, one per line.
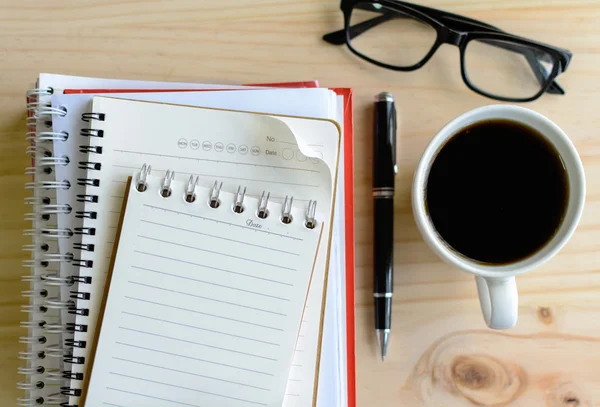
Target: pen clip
[393, 135]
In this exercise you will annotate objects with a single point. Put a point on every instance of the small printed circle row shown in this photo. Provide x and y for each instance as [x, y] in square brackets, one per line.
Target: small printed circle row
[219, 147]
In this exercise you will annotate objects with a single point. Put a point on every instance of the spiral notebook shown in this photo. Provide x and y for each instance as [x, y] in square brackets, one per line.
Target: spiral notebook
[205, 297]
[53, 290]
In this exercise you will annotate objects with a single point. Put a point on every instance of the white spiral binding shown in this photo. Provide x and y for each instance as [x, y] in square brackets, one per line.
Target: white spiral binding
[44, 326]
[214, 202]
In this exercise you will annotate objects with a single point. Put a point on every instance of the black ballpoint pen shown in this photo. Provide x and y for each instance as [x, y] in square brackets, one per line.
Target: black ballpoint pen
[384, 173]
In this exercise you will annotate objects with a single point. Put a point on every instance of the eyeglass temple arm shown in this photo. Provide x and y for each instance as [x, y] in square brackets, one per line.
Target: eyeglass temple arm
[339, 38]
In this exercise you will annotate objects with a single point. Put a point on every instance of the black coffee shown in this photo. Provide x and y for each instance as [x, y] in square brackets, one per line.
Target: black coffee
[497, 191]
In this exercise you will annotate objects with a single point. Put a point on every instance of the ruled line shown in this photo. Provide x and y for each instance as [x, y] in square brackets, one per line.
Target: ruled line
[111, 404]
[198, 343]
[219, 237]
[206, 329]
[152, 397]
[206, 298]
[188, 373]
[213, 284]
[178, 402]
[213, 268]
[201, 313]
[196, 359]
[217, 253]
[214, 161]
[225, 223]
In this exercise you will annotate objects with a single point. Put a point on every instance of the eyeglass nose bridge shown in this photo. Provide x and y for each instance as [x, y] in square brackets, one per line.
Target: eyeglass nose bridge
[449, 36]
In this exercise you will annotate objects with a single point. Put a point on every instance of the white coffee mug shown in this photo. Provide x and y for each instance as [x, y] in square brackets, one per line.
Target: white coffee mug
[496, 283]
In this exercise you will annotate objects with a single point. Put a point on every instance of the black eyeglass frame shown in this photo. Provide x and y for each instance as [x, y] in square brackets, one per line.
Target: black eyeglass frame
[455, 30]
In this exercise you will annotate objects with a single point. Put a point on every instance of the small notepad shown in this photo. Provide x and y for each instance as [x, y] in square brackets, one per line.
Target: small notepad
[204, 304]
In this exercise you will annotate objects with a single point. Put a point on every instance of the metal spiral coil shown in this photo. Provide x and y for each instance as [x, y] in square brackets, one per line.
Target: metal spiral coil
[48, 185]
[30, 371]
[92, 133]
[56, 351]
[38, 170]
[42, 110]
[86, 215]
[56, 280]
[30, 385]
[32, 308]
[33, 151]
[36, 92]
[80, 295]
[34, 293]
[38, 200]
[29, 340]
[55, 329]
[57, 303]
[53, 375]
[90, 149]
[88, 247]
[90, 165]
[56, 399]
[45, 211]
[74, 360]
[79, 311]
[53, 161]
[30, 401]
[44, 259]
[32, 324]
[68, 374]
[35, 137]
[44, 306]
[32, 355]
[75, 344]
[88, 117]
[70, 391]
[87, 198]
[82, 279]
[85, 231]
[71, 327]
[51, 232]
[83, 263]
[92, 182]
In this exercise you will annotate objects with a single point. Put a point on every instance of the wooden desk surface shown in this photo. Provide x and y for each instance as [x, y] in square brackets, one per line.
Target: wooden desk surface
[441, 352]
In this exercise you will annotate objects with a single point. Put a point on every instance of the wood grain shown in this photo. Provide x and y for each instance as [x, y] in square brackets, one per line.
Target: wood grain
[441, 354]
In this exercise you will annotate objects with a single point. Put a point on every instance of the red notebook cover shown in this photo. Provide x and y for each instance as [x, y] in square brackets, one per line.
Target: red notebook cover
[348, 204]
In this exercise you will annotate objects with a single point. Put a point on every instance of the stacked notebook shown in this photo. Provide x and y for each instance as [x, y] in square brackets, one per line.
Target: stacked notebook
[210, 285]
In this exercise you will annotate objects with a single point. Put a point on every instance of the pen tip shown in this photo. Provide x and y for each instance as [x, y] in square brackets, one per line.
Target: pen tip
[383, 338]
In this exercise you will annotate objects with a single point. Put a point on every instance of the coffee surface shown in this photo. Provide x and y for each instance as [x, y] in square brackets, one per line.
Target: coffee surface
[497, 192]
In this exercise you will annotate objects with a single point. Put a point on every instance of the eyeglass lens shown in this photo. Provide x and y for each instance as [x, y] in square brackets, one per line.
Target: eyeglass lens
[393, 38]
[507, 69]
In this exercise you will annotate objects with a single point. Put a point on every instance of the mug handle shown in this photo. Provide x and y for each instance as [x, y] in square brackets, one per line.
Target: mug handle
[499, 301]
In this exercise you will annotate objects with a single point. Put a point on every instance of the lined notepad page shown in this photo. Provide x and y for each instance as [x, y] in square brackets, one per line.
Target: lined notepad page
[257, 151]
[204, 304]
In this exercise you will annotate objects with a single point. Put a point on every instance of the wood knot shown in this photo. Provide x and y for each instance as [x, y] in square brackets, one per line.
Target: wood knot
[485, 380]
[545, 315]
[566, 395]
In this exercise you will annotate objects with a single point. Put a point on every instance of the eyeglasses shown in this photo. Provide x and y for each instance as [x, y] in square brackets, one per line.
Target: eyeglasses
[402, 36]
